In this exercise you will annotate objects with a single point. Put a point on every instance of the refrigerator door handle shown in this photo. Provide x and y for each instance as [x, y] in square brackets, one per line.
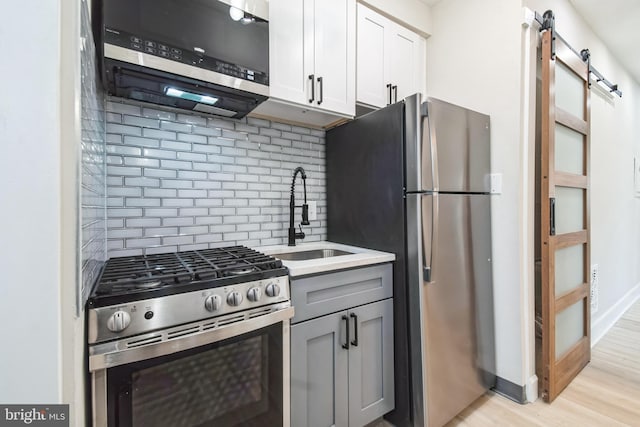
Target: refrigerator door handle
[429, 240]
[434, 156]
[428, 150]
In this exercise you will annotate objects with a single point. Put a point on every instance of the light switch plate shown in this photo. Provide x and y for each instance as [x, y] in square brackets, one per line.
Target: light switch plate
[313, 211]
[495, 180]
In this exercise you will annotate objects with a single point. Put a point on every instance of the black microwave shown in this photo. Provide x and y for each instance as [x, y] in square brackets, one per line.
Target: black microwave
[210, 56]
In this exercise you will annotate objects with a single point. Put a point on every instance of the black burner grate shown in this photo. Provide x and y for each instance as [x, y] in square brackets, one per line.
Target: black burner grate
[215, 267]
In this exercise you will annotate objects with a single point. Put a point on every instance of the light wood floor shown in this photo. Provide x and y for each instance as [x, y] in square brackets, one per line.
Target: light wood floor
[605, 394]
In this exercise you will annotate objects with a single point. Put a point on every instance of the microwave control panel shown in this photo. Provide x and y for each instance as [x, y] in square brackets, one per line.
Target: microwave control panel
[196, 57]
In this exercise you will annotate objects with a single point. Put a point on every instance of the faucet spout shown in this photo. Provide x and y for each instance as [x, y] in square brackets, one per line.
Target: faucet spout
[293, 235]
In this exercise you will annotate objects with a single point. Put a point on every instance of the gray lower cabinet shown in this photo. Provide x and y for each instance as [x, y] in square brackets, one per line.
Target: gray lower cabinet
[371, 388]
[342, 367]
[319, 373]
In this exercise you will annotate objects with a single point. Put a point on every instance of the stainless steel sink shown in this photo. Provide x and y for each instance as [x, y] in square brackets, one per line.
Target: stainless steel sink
[311, 254]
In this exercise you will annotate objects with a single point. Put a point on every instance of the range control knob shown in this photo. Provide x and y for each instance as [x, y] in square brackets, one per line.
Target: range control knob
[254, 294]
[118, 321]
[234, 299]
[213, 302]
[272, 290]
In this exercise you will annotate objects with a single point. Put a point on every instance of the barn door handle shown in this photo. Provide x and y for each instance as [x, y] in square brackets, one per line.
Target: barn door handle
[552, 216]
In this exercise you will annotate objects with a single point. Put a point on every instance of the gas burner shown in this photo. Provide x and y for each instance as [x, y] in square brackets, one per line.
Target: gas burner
[240, 270]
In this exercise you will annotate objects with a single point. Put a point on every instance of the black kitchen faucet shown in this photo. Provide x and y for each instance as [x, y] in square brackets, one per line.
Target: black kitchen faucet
[293, 235]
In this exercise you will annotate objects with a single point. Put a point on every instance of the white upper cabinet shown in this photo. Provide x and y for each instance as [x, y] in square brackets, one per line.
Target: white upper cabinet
[312, 53]
[373, 58]
[407, 58]
[391, 60]
[287, 59]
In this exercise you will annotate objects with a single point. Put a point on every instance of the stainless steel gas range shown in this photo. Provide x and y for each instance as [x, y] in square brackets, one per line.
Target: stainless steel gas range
[198, 338]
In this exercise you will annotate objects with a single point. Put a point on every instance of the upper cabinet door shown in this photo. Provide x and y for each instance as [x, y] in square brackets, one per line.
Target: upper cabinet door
[372, 63]
[288, 49]
[334, 45]
[391, 60]
[312, 53]
[406, 62]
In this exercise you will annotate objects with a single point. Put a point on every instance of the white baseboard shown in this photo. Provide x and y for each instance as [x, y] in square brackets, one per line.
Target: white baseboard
[531, 389]
[601, 325]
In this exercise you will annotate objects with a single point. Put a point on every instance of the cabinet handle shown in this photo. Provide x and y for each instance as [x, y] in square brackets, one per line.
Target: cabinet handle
[346, 322]
[355, 329]
[312, 77]
[321, 87]
[395, 91]
[389, 87]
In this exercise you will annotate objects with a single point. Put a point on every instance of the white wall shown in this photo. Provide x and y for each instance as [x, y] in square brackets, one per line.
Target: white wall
[473, 59]
[615, 139]
[30, 193]
[411, 13]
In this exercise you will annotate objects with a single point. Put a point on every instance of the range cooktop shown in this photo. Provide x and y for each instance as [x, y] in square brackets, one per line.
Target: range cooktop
[127, 279]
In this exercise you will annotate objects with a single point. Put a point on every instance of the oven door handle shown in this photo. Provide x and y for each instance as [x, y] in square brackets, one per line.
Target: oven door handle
[115, 353]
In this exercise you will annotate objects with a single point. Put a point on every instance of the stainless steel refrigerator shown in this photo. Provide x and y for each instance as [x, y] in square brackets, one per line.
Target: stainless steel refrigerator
[413, 179]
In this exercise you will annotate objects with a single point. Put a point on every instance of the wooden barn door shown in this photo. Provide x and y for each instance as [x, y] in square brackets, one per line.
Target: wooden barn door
[564, 216]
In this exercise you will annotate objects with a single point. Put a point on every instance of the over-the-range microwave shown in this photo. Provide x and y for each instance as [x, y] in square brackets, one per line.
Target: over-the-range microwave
[210, 56]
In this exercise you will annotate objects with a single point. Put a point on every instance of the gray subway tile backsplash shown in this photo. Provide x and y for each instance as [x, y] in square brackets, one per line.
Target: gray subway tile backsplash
[176, 127]
[157, 114]
[160, 154]
[198, 139]
[123, 129]
[159, 134]
[141, 122]
[181, 181]
[192, 119]
[121, 108]
[169, 222]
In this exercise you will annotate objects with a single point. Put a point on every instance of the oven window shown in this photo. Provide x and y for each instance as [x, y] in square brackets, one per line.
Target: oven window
[237, 382]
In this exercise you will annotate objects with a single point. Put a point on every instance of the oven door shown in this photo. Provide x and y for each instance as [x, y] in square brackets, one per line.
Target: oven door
[242, 380]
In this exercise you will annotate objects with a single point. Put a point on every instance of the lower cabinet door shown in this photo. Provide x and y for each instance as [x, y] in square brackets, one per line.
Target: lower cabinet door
[371, 376]
[319, 372]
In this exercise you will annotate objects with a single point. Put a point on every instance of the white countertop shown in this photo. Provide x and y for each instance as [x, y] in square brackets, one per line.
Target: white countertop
[360, 257]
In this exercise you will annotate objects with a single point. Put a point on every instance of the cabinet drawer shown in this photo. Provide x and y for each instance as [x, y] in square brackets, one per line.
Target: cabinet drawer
[327, 293]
